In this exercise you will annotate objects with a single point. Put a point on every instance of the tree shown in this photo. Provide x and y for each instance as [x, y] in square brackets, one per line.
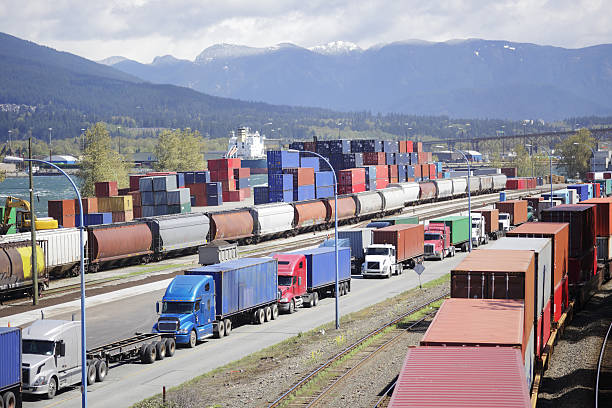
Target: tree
[574, 153]
[100, 162]
[179, 150]
[522, 161]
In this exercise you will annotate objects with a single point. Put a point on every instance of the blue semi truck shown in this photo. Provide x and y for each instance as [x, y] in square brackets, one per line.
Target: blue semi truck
[10, 367]
[209, 300]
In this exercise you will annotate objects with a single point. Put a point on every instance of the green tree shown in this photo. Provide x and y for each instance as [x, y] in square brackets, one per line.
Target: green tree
[179, 150]
[522, 161]
[100, 162]
[575, 152]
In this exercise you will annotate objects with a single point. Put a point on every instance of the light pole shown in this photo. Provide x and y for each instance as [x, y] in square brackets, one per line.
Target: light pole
[468, 191]
[119, 132]
[83, 139]
[82, 266]
[339, 124]
[335, 228]
[9, 132]
[50, 157]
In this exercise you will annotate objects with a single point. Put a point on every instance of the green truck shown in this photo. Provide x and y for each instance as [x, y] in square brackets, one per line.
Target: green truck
[459, 226]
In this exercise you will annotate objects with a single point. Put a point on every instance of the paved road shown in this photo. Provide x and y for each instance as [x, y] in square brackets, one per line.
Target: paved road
[130, 383]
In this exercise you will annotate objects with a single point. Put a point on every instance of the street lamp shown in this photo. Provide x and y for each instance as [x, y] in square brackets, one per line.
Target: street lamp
[336, 291]
[50, 157]
[468, 190]
[83, 138]
[551, 182]
[119, 132]
[82, 267]
[9, 132]
[339, 124]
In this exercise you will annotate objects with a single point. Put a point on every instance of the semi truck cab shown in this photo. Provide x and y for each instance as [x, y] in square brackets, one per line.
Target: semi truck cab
[187, 309]
[291, 281]
[380, 260]
[504, 222]
[437, 241]
[479, 235]
[51, 357]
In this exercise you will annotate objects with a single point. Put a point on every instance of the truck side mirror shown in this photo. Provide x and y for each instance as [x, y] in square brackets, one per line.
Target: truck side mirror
[61, 349]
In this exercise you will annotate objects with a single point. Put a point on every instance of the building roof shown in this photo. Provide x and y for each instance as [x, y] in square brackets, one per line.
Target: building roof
[61, 158]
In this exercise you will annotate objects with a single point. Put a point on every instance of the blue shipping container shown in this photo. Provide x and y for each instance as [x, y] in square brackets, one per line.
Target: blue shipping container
[202, 177]
[390, 158]
[402, 158]
[321, 265]
[243, 183]
[261, 194]
[582, 189]
[390, 146]
[189, 177]
[280, 159]
[370, 172]
[145, 184]
[147, 198]
[148, 211]
[331, 243]
[213, 189]
[164, 183]
[312, 162]
[95, 219]
[161, 210]
[178, 196]
[304, 193]
[324, 191]
[409, 172]
[280, 181]
[414, 159]
[160, 197]
[241, 284]
[278, 196]
[10, 357]
[401, 173]
[214, 200]
[324, 178]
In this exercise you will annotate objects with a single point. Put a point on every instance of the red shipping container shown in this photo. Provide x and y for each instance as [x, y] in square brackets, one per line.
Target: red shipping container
[393, 172]
[135, 181]
[409, 146]
[382, 172]
[137, 211]
[417, 171]
[418, 147]
[310, 147]
[432, 171]
[123, 216]
[402, 146]
[408, 239]
[509, 171]
[604, 215]
[245, 193]
[590, 176]
[374, 158]
[222, 174]
[583, 268]
[90, 205]
[597, 190]
[607, 174]
[425, 171]
[106, 189]
[223, 164]
[196, 189]
[228, 185]
[303, 176]
[512, 184]
[354, 188]
[67, 221]
[136, 198]
[231, 196]
[200, 200]
[350, 177]
[380, 183]
[242, 173]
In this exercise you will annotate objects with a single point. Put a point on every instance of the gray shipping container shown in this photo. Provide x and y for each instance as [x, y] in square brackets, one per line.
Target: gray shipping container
[217, 251]
[160, 198]
[161, 209]
[178, 196]
[360, 239]
[145, 184]
[164, 183]
[242, 284]
[147, 198]
[148, 211]
[175, 232]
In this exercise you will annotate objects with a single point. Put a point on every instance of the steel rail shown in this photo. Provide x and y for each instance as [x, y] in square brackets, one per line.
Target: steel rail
[601, 356]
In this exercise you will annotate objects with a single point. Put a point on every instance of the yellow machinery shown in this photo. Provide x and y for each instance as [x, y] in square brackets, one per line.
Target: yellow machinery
[22, 217]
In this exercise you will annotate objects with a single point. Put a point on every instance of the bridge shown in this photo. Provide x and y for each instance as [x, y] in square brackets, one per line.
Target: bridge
[505, 143]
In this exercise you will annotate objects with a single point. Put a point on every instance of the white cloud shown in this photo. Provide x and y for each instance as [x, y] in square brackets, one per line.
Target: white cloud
[143, 29]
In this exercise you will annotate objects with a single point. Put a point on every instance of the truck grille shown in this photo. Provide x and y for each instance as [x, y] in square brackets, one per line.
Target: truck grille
[167, 325]
[373, 265]
[25, 375]
[429, 248]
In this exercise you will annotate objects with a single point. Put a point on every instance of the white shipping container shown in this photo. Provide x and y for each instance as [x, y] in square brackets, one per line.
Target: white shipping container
[459, 186]
[63, 251]
[368, 202]
[499, 181]
[444, 188]
[272, 218]
[393, 198]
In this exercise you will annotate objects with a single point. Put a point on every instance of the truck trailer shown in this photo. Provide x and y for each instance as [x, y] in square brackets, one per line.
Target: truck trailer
[306, 276]
[393, 248]
[459, 230]
[359, 240]
[208, 301]
[437, 243]
[10, 367]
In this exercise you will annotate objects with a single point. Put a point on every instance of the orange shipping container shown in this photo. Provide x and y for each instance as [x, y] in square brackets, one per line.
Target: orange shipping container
[491, 217]
[604, 215]
[90, 205]
[516, 208]
[408, 239]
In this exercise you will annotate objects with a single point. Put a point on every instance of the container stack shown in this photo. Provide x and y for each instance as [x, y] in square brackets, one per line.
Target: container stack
[604, 229]
[280, 188]
[224, 171]
[214, 193]
[154, 194]
[196, 181]
[582, 220]
[303, 182]
[63, 211]
[351, 181]
[324, 184]
[120, 207]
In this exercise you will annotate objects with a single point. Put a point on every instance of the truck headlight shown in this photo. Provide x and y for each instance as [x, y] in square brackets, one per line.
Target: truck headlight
[183, 331]
[42, 380]
[284, 300]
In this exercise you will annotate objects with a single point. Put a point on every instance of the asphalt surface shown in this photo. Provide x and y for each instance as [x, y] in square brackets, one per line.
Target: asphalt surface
[127, 384]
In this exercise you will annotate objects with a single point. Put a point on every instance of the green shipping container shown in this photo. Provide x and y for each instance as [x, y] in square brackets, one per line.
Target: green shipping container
[402, 219]
[459, 227]
[606, 186]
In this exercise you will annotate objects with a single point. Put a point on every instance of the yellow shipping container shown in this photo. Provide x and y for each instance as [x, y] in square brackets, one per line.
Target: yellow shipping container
[115, 204]
[26, 260]
[105, 204]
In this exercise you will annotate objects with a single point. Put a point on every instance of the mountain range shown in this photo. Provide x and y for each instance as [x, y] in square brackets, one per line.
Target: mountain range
[460, 78]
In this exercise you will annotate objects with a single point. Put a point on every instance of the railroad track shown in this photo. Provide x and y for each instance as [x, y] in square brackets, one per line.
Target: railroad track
[347, 362]
[603, 382]
[385, 398]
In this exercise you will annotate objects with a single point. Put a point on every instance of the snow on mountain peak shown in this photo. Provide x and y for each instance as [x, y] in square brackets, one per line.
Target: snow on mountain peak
[336, 48]
[112, 60]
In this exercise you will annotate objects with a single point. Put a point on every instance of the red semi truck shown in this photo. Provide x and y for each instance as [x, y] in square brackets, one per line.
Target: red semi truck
[437, 241]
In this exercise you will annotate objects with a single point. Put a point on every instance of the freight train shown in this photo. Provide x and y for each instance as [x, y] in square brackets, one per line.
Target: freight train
[154, 238]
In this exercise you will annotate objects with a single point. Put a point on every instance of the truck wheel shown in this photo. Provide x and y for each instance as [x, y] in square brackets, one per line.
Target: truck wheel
[220, 329]
[274, 311]
[315, 299]
[442, 255]
[170, 347]
[228, 326]
[268, 313]
[150, 354]
[160, 350]
[193, 339]
[348, 286]
[91, 373]
[52, 389]
[292, 306]
[261, 316]
[10, 401]
[452, 251]
[486, 239]
[464, 248]
[101, 370]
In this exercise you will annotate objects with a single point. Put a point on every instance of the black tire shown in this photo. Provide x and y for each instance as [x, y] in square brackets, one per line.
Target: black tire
[160, 350]
[220, 330]
[9, 400]
[348, 286]
[101, 370]
[91, 373]
[228, 326]
[274, 311]
[170, 347]
[150, 354]
[315, 299]
[52, 389]
[292, 307]
[268, 312]
[193, 339]
[261, 316]
[142, 351]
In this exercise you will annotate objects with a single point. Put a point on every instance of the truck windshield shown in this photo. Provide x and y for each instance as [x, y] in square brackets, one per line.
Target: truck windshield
[42, 347]
[432, 237]
[284, 280]
[475, 225]
[378, 251]
[177, 307]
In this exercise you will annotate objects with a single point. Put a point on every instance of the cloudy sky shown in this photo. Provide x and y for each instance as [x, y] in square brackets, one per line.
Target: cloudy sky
[143, 29]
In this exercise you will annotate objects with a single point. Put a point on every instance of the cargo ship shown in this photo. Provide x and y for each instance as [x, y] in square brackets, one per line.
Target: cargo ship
[250, 147]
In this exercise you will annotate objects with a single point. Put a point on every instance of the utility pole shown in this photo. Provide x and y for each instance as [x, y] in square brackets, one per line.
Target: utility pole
[33, 227]
[50, 159]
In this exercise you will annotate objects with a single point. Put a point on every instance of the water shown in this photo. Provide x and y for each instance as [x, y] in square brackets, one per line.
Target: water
[59, 188]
